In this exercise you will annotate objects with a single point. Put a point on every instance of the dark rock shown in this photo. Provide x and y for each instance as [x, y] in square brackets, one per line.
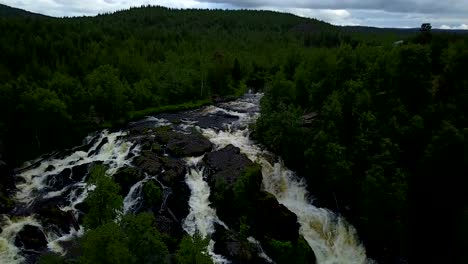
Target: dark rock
[148, 162]
[168, 226]
[51, 215]
[31, 238]
[230, 245]
[6, 204]
[50, 168]
[188, 145]
[98, 148]
[227, 163]
[174, 172]
[79, 172]
[177, 202]
[61, 180]
[274, 220]
[127, 177]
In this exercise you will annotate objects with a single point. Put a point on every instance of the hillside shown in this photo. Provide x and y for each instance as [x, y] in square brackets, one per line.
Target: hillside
[9, 12]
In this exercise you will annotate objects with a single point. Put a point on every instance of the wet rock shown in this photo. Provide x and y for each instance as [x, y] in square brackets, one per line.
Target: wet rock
[98, 148]
[230, 245]
[177, 203]
[188, 145]
[50, 168]
[148, 162]
[274, 220]
[227, 163]
[80, 171]
[51, 215]
[168, 226]
[31, 238]
[60, 180]
[127, 177]
[174, 172]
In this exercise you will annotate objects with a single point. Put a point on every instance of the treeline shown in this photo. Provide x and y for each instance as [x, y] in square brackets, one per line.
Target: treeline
[61, 78]
[381, 135]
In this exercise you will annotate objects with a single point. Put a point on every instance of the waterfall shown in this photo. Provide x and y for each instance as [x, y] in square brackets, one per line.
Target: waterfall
[34, 185]
[330, 237]
[202, 216]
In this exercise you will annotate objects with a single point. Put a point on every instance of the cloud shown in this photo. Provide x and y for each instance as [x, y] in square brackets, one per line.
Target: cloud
[379, 13]
[401, 6]
[462, 26]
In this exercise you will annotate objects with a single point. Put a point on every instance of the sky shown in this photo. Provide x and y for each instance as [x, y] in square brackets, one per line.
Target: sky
[445, 14]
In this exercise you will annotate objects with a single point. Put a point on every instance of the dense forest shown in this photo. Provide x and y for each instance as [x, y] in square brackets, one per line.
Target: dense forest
[377, 128]
[380, 134]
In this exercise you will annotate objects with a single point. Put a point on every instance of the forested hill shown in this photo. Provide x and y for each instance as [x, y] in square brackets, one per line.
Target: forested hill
[7, 11]
[64, 77]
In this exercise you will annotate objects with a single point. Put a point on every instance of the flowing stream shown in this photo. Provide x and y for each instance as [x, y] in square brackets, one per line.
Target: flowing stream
[332, 239]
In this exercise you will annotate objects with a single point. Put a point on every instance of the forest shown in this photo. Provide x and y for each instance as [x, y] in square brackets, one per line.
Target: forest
[377, 128]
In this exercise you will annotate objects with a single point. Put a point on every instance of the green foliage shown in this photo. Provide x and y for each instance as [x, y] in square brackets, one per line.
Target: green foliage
[144, 240]
[152, 194]
[52, 259]
[246, 189]
[105, 244]
[193, 250]
[132, 240]
[369, 128]
[105, 204]
[287, 252]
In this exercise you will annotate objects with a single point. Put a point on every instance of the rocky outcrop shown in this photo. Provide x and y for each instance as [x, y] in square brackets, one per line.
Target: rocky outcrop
[227, 164]
[274, 220]
[127, 177]
[191, 145]
[148, 162]
[51, 215]
[59, 181]
[235, 248]
[31, 238]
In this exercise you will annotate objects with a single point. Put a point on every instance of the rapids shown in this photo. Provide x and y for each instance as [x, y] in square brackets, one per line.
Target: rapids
[332, 239]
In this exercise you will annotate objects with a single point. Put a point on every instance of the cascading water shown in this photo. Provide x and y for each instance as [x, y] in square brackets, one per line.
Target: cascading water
[331, 238]
[45, 180]
[202, 216]
[60, 177]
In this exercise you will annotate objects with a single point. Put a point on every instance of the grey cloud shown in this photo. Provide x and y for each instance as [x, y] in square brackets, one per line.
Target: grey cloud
[403, 6]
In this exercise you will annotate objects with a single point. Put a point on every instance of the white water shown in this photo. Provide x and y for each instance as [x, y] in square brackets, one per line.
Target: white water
[34, 186]
[133, 198]
[330, 237]
[9, 253]
[262, 253]
[113, 154]
[202, 216]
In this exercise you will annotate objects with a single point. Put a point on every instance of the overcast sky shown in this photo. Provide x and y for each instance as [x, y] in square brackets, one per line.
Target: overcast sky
[380, 13]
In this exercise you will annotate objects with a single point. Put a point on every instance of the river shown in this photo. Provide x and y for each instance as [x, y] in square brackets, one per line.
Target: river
[331, 238]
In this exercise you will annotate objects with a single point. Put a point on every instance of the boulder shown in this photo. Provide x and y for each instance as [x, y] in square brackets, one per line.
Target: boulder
[227, 163]
[60, 180]
[31, 238]
[230, 245]
[174, 172]
[80, 171]
[127, 177]
[274, 220]
[51, 215]
[188, 145]
[148, 162]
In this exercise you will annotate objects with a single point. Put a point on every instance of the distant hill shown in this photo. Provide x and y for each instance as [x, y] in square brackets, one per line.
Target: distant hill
[7, 11]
